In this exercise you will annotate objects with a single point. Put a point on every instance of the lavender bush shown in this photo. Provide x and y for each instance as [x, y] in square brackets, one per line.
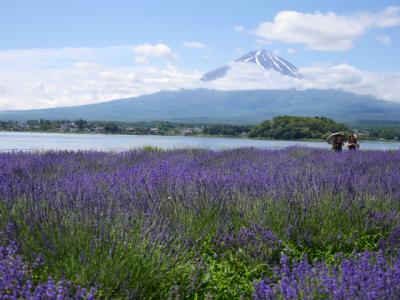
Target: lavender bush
[365, 276]
[16, 281]
[195, 223]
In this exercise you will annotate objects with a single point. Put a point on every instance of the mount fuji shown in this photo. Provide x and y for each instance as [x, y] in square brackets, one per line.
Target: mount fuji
[227, 107]
[264, 59]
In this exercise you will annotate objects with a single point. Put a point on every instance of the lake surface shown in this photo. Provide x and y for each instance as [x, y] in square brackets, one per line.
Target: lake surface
[28, 141]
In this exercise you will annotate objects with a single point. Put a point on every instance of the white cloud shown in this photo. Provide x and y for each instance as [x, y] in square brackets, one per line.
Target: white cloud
[242, 76]
[325, 31]
[245, 76]
[157, 51]
[194, 45]
[387, 18]
[141, 59]
[76, 86]
[41, 78]
[238, 28]
[384, 39]
[290, 51]
[348, 78]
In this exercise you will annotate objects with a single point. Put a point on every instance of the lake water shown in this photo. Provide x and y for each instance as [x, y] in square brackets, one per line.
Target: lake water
[27, 141]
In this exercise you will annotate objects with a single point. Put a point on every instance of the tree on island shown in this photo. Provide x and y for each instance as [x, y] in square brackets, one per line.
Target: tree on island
[293, 127]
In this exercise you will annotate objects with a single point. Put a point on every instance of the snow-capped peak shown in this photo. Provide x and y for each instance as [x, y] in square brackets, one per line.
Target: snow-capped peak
[267, 60]
[264, 59]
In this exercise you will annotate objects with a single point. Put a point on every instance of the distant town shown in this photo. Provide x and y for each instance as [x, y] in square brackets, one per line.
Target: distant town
[283, 127]
[139, 128]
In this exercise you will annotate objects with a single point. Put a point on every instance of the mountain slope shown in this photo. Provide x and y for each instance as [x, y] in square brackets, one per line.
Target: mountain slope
[223, 107]
[262, 58]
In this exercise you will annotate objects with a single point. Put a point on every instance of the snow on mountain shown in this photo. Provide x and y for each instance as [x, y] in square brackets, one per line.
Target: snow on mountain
[264, 59]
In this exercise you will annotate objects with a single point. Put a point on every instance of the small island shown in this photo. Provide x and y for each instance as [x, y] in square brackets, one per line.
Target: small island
[297, 128]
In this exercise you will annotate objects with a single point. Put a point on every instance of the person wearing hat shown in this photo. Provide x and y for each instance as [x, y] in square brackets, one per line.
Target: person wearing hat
[338, 143]
[352, 143]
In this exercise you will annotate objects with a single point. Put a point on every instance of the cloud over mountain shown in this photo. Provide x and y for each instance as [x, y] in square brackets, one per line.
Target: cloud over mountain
[243, 76]
[39, 78]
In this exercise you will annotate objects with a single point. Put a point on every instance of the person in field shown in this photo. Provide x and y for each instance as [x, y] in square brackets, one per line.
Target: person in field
[352, 142]
[338, 142]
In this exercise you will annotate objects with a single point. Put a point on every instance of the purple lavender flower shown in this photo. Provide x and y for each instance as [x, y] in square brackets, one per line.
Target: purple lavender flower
[366, 276]
[258, 198]
[16, 281]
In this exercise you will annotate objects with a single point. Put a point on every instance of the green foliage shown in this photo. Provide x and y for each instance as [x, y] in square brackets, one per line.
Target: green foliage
[81, 124]
[388, 133]
[152, 149]
[290, 127]
[328, 251]
[228, 130]
[325, 228]
[227, 276]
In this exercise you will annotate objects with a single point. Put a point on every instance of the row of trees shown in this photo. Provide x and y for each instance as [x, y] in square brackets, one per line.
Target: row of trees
[388, 133]
[83, 126]
[282, 127]
[229, 130]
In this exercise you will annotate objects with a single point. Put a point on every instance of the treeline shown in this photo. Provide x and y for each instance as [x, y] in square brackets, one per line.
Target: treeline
[227, 130]
[388, 133]
[293, 128]
[140, 128]
[282, 127]
[83, 126]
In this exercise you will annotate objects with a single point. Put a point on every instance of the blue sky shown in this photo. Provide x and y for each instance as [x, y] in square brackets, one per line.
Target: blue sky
[182, 37]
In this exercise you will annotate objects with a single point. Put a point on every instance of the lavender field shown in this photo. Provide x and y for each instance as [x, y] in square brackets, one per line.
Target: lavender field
[298, 223]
